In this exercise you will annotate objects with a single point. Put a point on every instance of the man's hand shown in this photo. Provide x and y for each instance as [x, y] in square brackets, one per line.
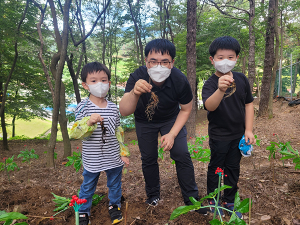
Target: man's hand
[167, 141]
[249, 138]
[125, 160]
[224, 82]
[95, 118]
[141, 86]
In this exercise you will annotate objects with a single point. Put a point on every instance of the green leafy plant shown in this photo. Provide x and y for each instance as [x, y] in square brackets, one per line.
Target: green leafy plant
[11, 216]
[161, 153]
[277, 147]
[27, 156]
[76, 160]
[197, 151]
[242, 207]
[134, 142]
[290, 153]
[8, 165]
[257, 141]
[63, 203]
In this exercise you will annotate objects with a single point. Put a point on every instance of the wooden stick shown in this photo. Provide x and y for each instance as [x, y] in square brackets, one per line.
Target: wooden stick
[126, 212]
[44, 217]
[249, 210]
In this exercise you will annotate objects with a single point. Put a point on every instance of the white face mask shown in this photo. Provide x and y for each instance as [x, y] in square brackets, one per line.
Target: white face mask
[99, 90]
[159, 73]
[224, 66]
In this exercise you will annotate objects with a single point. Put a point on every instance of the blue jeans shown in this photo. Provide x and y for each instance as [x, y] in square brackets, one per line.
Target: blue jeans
[88, 187]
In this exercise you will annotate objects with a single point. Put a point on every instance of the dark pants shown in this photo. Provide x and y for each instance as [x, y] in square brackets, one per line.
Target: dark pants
[226, 155]
[147, 134]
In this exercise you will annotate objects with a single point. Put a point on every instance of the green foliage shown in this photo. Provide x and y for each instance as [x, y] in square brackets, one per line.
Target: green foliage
[197, 151]
[134, 142]
[257, 141]
[127, 122]
[76, 160]
[28, 155]
[11, 216]
[286, 150]
[277, 147]
[8, 165]
[96, 199]
[161, 153]
[242, 207]
[290, 153]
[62, 203]
[239, 206]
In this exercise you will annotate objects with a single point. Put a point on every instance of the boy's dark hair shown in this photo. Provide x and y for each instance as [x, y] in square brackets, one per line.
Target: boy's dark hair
[163, 46]
[93, 67]
[225, 42]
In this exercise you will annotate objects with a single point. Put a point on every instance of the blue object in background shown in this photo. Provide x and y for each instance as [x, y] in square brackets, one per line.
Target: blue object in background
[245, 148]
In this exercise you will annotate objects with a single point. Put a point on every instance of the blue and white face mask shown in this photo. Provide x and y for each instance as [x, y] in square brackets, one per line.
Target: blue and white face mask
[245, 148]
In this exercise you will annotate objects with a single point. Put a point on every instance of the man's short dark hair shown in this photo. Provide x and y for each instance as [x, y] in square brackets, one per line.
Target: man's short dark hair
[163, 46]
[225, 42]
[93, 67]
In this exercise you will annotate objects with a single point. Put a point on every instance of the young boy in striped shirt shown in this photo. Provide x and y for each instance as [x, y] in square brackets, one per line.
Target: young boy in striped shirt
[99, 119]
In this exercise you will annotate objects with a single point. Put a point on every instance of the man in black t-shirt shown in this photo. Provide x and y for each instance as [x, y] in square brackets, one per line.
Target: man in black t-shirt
[160, 97]
[228, 99]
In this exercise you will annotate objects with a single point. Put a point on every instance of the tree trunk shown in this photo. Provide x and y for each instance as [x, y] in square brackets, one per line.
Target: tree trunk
[270, 107]
[191, 59]
[63, 121]
[257, 85]
[103, 36]
[142, 62]
[251, 62]
[244, 60]
[2, 111]
[13, 124]
[4, 132]
[281, 52]
[74, 78]
[58, 76]
[268, 62]
[295, 77]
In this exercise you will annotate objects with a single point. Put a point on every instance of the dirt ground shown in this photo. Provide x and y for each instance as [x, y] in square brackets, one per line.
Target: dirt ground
[275, 190]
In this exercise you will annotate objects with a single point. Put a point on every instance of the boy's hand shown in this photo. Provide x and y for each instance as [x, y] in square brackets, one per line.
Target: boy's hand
[141, 86]
[125, 160]
[249, 138]
[95, 118]
[167, 141]
[224, 82]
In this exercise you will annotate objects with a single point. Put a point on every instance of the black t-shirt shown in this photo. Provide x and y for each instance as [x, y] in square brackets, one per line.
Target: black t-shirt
[176, 90]
[227, 122]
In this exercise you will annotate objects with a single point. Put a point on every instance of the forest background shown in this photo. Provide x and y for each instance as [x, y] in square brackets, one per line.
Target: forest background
[45, 44]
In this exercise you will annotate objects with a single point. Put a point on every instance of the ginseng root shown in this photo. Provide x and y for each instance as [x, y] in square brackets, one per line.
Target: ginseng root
[152, 104]
[233, 89]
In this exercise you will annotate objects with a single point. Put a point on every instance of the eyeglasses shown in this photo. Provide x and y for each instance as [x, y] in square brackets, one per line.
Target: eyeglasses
[155, 63]
[103, 131]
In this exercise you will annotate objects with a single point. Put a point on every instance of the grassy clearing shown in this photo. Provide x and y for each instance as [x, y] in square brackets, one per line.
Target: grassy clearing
[31, 129]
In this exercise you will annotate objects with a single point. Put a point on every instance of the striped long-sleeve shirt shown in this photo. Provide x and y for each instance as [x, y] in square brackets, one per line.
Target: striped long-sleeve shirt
[96, 155]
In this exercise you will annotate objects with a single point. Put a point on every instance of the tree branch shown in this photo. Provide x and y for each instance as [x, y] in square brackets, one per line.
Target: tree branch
[40, 55]
[225, 13]
[94, 25]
